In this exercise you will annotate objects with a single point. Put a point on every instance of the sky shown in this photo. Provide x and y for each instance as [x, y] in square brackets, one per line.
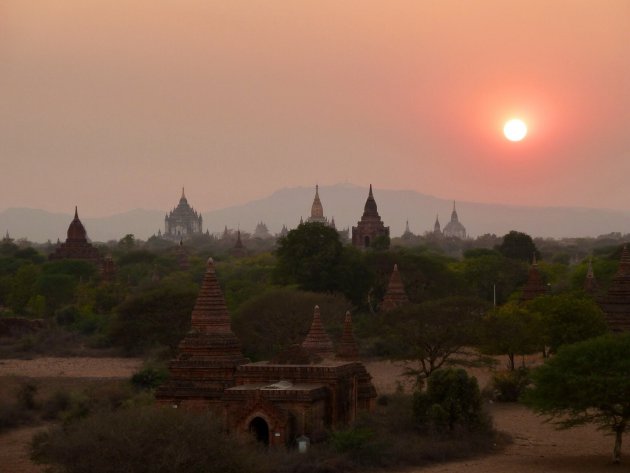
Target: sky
[115, 104]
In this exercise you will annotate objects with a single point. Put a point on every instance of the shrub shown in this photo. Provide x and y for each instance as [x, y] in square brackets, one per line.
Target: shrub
[145, 440]
[452, 401]
[352, 439]
[149, 377]
[509, 385]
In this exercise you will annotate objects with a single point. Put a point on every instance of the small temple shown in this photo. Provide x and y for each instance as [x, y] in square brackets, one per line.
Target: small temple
[262, 231]
[304, 391]
[183, 221]
[436, 226]
[454, 228]
[534, 287]
[370, 227]
[76, 245]
[395, 296]
[616, 302]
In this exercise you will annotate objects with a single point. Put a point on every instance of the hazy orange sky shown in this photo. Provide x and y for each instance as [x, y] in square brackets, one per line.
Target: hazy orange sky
[114, 104]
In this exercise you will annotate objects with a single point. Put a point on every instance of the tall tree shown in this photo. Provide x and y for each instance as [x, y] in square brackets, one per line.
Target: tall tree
[588, 382]
[518, 245]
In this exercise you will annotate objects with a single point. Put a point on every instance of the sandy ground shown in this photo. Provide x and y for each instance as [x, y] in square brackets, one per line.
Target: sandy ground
[537, 446]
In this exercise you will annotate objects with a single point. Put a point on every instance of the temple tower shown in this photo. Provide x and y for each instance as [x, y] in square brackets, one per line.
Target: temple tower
[590, 283]
[208, 355]
[317, 340]
[370, 226]
[183, 221]
[534, 286]
[436, 226]
[239, 249]
[76, 245]
[347, 349]
[317, 211]
[454, 228]
[395, 296]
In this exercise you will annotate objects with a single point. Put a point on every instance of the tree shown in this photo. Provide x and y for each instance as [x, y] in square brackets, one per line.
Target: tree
[518, 245]
[308, 256]
[511, 330]
[279, 318]
[568, 319]
[452, 399]
[588, 382]
[434, 332]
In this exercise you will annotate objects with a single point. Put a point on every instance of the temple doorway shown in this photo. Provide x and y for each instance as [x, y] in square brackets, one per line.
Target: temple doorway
[260, 430]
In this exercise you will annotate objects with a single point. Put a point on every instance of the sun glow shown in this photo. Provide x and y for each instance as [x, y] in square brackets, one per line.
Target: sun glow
[515, 129]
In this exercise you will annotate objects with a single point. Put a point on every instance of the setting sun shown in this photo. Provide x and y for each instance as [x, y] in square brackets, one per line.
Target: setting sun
[515, 129]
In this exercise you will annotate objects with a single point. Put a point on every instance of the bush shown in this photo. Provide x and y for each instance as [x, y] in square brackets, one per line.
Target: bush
[150, 376]
[509, 385]
[451, 402]
[147, 440]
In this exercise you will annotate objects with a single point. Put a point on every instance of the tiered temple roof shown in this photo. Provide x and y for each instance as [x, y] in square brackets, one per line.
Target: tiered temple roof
[534, 286]
[395, 296]
[317, 210]
[239, 249]
[208, 354]
[317, 340]
[616, 303]
[183, 221]
[370, 226]
[347, 349]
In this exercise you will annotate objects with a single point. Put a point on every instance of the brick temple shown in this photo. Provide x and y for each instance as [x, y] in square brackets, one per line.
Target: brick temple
[76, 245]
[305, 390]
[395, 296]
[370, 227]
[534, 287]
[616, 302]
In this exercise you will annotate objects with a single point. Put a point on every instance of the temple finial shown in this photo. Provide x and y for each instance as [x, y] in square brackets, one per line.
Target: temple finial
[76, 212]
[183, 193]
[370, 194]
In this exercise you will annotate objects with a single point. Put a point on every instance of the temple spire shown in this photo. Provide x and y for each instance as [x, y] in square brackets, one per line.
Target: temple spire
[210, 314]
[348, 349]
[76, 212]
[395, 296]
[317, 340]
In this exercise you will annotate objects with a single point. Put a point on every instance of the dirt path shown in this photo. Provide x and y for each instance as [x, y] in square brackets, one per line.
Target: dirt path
[71, 367]
[14, 451]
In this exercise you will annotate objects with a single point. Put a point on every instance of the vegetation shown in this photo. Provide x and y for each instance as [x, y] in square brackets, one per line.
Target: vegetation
[588, 382]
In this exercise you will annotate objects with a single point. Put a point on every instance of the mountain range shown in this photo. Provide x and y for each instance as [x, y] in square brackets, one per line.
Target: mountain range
[345, 203]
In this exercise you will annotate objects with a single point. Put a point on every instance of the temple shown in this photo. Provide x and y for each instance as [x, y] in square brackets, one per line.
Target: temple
[534, 286]
[76, 245]
[590, 283]
[616, 303]
[317, 211]
[239, 250]
[183, 221]
[436, 226]
[395, 296]
[370, 227]
[306, 390]
[262, 231]
[454, 228]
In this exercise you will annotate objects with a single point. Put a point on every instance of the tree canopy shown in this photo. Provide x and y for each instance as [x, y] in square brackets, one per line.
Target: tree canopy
[588, 382]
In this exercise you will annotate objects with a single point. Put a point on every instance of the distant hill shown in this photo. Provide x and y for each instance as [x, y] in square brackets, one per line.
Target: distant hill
[345, 203]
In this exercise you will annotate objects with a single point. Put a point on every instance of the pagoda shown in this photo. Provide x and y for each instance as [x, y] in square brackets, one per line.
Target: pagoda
[534, 287]
[395, 296]
[317, 210]
[208, 355]
[616, 303]
[590, 283]
[76, 245]
[239, 249]
[317, 340]
[347, 348]
[370, 227]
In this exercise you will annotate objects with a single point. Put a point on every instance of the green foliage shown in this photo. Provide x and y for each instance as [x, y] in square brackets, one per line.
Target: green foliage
[452, 401]
[567, 319]
[245, 278]
[279, 318]
[147, 440]
[57, 289]
[350, 440]
[432, 333]
[518, 245]
[23, 287]
[79, 270]
[509, 385]
[587, 382]
[160, 315]
[511, 330]
[488, 272]
[150, 376]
